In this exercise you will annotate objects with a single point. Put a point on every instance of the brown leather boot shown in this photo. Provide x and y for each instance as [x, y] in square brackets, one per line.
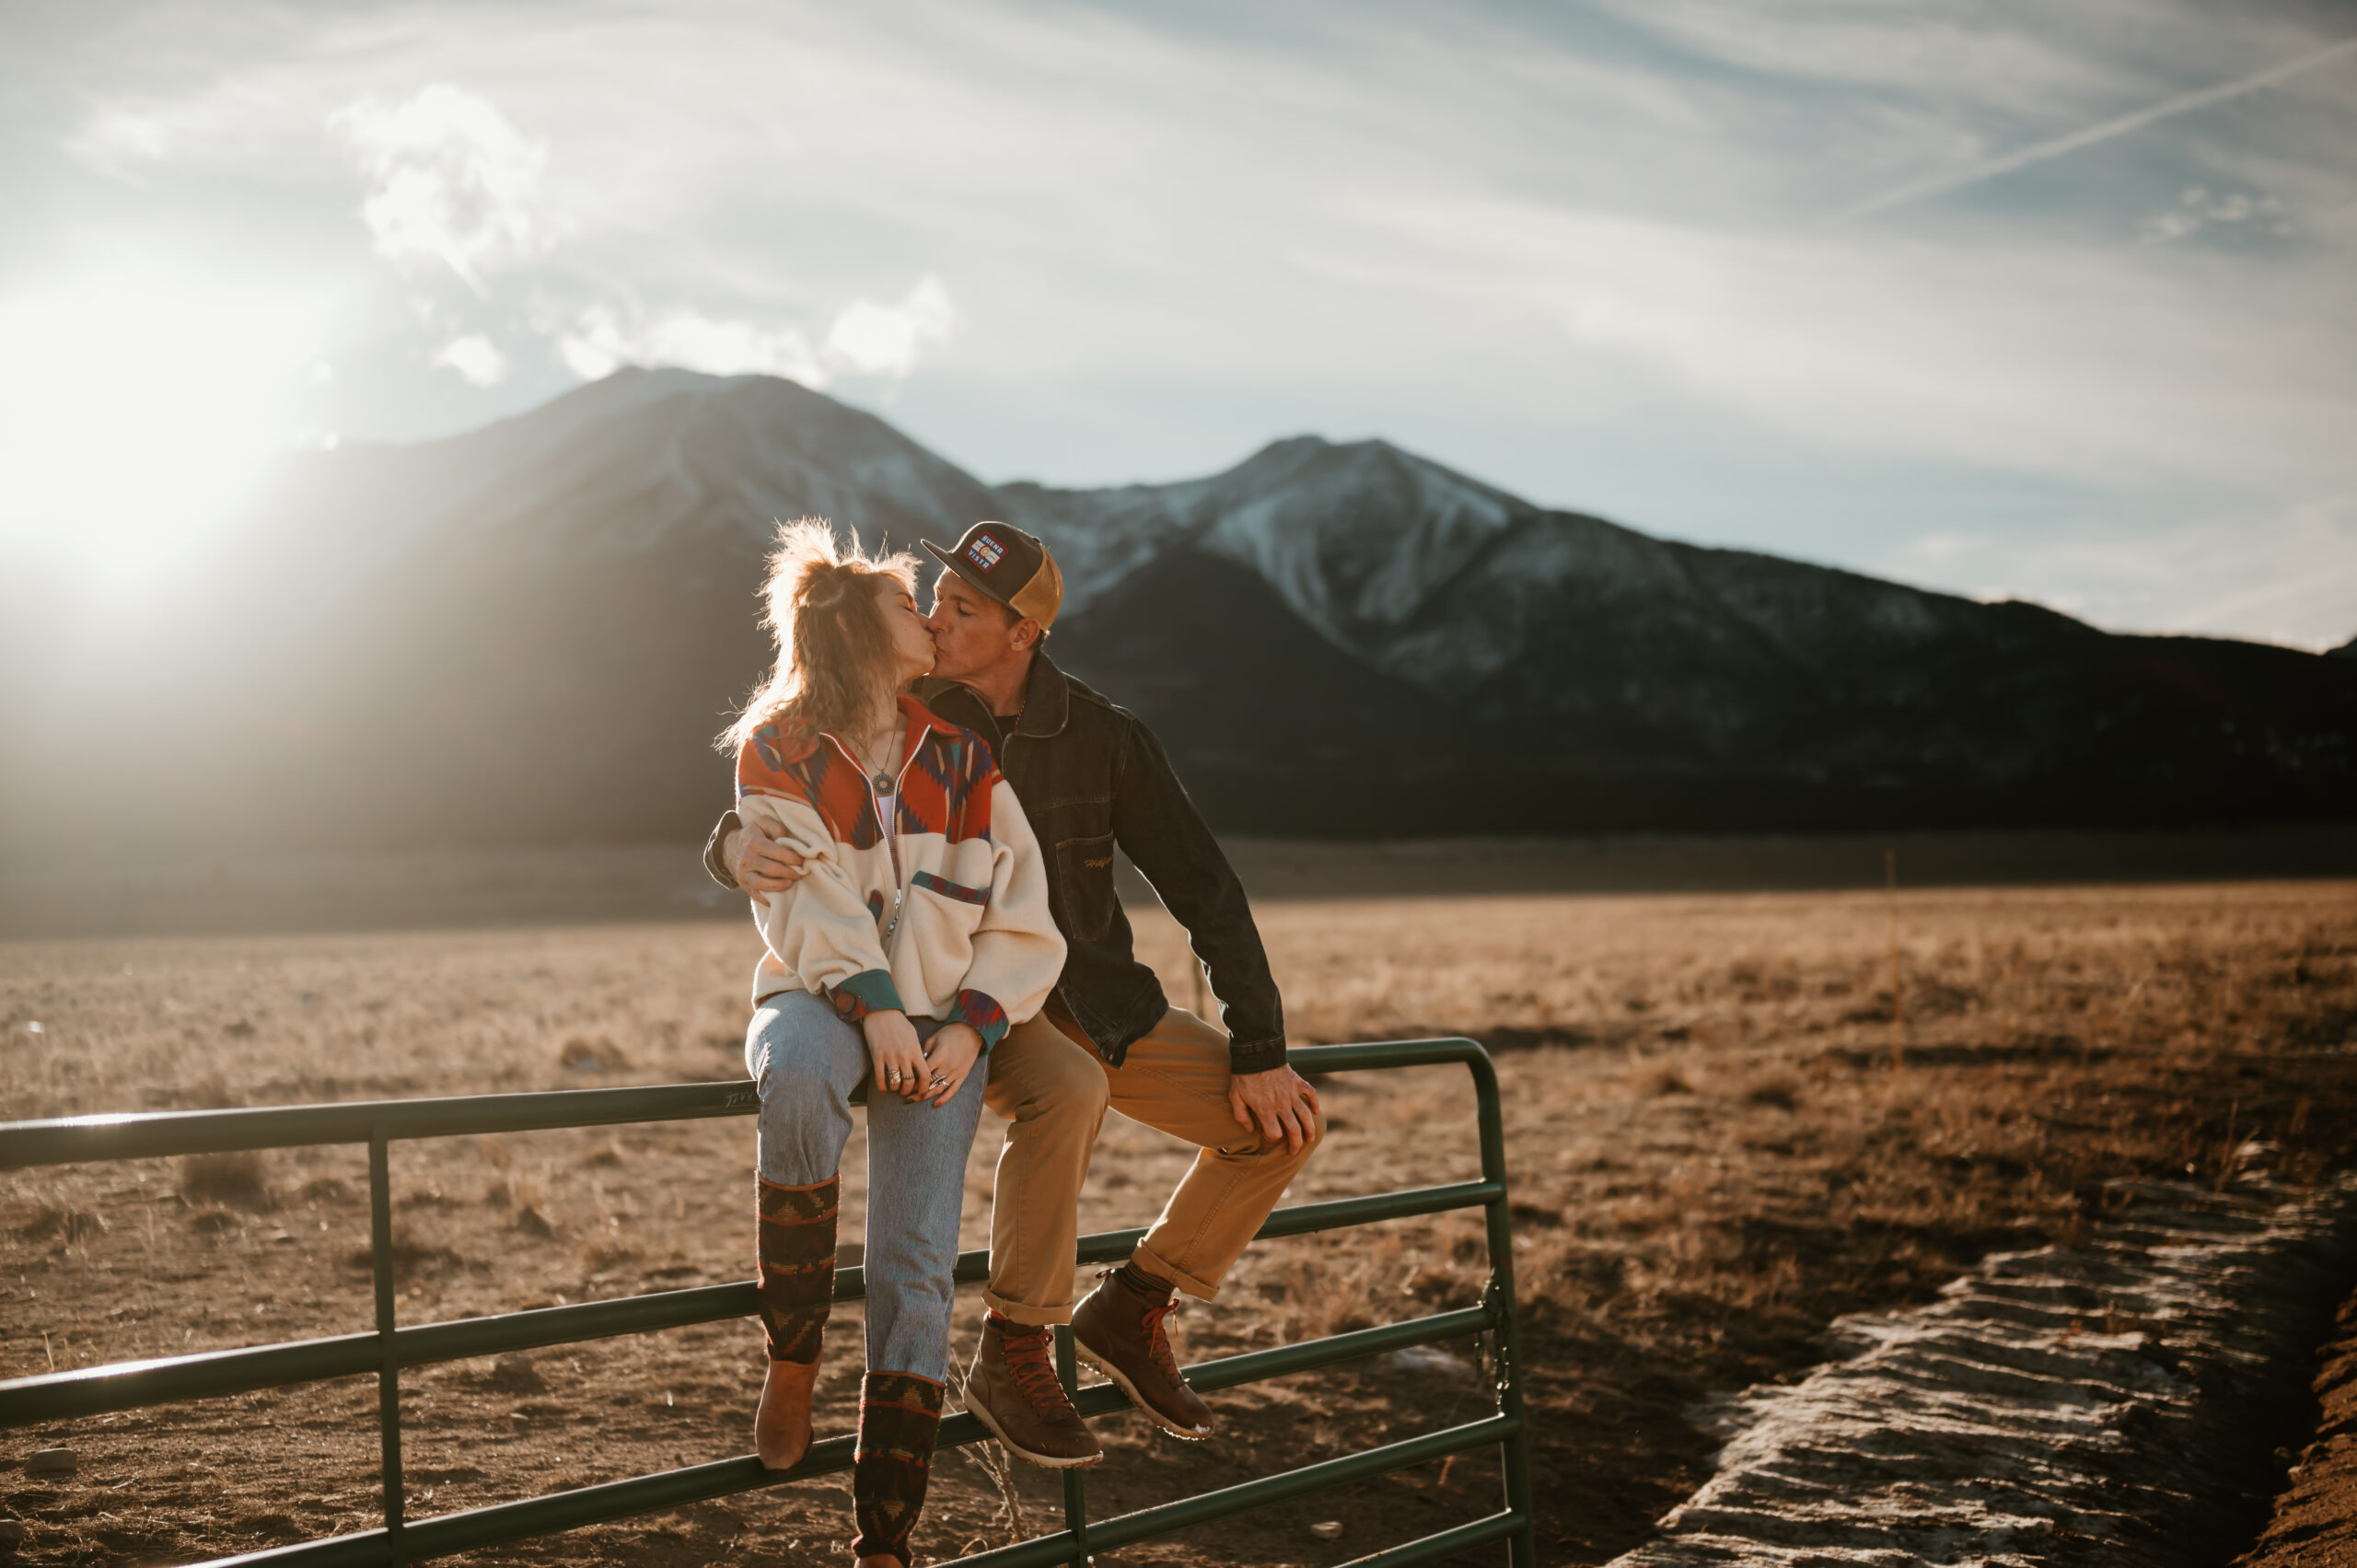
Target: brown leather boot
[1011, 1389]
[796, 1288]
[1118, 1330]
[781, 1424]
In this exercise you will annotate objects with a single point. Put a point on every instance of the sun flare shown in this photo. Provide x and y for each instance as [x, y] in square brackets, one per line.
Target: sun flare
[136, 405]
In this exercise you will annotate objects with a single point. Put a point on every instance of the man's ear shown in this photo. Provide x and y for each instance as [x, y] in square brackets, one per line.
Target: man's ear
[1026, 633]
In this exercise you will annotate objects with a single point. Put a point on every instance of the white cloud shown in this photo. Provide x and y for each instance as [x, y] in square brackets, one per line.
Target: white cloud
[475, 358]
[886, 340]
[2198, 208]
[691, 340]
[867, 338]
[454, 181]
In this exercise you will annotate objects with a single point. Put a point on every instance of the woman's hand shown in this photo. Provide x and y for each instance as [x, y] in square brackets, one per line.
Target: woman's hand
[900, 1060]
[952, 1055]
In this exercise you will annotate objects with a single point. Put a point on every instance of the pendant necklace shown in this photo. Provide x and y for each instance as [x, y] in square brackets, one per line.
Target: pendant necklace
[883, 779]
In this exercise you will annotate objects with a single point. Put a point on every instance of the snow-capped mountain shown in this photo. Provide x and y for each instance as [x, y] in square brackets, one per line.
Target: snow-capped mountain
[531, 631]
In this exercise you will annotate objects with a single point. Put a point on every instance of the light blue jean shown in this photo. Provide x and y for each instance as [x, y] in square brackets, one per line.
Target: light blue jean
[806, 1062]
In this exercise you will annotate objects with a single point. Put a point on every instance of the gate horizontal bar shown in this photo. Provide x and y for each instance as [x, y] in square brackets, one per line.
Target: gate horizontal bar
[160, 1133]
[1104, 1535]
[154, 1134]
[122, 1386]
[1447, 1543]
[502, 1522]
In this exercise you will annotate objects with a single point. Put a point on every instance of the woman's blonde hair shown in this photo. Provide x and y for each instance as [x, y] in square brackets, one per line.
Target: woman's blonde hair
[835, 651]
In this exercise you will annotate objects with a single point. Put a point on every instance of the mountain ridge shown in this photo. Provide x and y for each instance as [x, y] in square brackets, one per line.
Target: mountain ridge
[529, 633]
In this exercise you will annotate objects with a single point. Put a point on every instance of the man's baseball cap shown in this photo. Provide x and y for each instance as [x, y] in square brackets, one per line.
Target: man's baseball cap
[1010, 565]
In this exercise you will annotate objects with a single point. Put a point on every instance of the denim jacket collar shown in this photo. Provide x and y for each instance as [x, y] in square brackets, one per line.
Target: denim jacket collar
[1047, 698]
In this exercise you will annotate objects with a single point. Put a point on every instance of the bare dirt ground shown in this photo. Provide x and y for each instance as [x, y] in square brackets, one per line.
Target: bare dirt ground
[2314, 1521]
[1713, 1151]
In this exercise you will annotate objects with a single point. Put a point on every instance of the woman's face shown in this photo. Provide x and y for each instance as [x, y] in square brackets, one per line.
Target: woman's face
[911, 638]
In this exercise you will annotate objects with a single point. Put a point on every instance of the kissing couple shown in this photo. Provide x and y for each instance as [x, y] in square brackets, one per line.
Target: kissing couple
[927, 813]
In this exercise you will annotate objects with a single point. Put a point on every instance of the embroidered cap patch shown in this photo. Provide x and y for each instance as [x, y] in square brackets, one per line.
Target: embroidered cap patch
[985, 551]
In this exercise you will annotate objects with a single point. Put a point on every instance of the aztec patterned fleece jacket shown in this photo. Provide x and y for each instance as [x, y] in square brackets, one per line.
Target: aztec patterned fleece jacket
[945, 916]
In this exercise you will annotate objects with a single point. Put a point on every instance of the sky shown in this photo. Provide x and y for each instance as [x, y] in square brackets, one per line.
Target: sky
[2054, 301]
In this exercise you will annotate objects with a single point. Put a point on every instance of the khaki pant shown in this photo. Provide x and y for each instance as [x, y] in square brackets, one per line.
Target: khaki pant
[1054, 1090]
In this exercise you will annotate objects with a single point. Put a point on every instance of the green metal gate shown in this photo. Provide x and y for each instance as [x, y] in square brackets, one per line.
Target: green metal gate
[96, 1390]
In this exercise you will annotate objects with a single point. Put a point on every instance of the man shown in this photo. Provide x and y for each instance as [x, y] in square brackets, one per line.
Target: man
[1090, 778]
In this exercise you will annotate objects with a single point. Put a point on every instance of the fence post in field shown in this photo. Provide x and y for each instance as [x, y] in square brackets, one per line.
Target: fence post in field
[388, 1368]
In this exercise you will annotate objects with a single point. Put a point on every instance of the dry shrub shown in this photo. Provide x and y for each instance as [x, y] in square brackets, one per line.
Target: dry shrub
[208, 1091]
[1666, 1079]
[605, 1255]
[324, 1189]
[232, 1177]
[1781, 1090]
[591, 1053]
[410, 1253]
[58, 1220]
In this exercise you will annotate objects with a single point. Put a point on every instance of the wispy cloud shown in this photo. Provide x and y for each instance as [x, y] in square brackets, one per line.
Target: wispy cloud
[2094, 135]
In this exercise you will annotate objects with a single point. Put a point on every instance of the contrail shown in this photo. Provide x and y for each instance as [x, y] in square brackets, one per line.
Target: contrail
[2184, 103]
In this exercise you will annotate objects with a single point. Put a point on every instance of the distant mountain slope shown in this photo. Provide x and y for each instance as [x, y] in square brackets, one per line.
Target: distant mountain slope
[529, 633]
[1586, 675]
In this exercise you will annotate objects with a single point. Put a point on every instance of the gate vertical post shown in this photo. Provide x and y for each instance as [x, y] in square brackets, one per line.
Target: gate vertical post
[388, 1369]
[1075, 1489]
[1522, 1546]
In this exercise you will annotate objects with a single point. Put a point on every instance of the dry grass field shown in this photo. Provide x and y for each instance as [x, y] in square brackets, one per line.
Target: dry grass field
[1715, 1149]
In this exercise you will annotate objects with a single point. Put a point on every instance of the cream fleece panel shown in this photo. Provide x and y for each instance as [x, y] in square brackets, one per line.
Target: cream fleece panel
[820, 934]
[990, 931]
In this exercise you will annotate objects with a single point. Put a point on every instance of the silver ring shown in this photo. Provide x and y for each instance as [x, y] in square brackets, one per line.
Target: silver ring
[940, 1079]
[891, 1075]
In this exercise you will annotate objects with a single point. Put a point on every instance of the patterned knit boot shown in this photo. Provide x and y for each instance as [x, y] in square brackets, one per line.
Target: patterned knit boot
[798, 1287]
[900, 1416]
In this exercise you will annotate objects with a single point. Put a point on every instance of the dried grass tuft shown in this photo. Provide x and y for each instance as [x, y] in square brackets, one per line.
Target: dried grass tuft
[410, 1253]
[1665, 1079]
[59, 1221]
[234, 1177]
[591, 1053]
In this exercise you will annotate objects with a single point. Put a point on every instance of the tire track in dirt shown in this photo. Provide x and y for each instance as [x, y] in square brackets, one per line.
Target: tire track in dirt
[2116, 1402]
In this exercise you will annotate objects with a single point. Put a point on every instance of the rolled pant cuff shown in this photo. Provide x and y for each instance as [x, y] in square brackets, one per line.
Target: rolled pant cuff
[1155, 1263]
[1024, 1312]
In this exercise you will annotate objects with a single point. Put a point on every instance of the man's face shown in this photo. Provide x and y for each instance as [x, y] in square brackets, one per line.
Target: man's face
[970, 632]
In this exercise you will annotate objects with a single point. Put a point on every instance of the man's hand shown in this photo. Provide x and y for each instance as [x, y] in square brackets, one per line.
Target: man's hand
[1279, 1101]
[949, 1056]
[759, 863]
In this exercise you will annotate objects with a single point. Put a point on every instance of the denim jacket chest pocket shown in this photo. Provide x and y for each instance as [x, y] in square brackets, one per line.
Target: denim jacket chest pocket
[1081, 861]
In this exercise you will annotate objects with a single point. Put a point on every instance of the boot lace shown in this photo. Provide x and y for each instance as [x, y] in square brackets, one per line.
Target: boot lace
[1157, 1341]
[1028, 1359]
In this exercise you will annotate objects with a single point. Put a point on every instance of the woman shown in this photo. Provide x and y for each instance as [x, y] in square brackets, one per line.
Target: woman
[920, 932]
